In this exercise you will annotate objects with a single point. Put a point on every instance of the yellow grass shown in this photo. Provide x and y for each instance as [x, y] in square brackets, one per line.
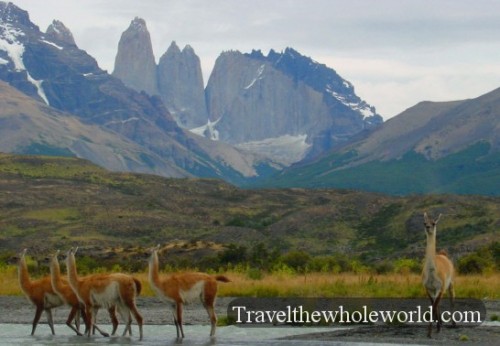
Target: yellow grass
[317, 285]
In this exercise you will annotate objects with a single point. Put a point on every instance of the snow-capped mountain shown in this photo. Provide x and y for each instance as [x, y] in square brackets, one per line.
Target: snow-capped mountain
[50, 68]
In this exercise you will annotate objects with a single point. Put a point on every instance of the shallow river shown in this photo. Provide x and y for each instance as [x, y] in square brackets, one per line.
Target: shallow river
[18, 334]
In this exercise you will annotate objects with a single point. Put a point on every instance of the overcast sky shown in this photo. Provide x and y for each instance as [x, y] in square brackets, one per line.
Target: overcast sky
[395, 52]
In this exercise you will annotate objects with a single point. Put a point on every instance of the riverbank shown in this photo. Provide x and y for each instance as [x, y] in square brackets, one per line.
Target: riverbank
[18, 310]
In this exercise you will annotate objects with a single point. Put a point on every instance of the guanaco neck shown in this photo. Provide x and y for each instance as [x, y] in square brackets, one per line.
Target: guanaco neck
[154, 276]
[72, 274]
[55, 274]
[430, 251]
[24, 278]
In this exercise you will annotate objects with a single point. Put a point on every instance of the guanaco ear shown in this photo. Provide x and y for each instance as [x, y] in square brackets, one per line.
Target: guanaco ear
[76, 249]
[426, 218]
[23, 253]
[437, 220]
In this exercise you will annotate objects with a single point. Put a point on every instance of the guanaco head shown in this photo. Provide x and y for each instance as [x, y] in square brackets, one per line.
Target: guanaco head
[22, 254]
[153, 252]
[430, 224]
[54, 259]
[69, 253]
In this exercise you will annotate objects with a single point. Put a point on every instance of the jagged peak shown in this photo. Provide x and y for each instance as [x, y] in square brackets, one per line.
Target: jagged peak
[138, 24]
[292, 52]
[256, 54]
[188, 50]
[10, 13]
[173, 48]
[231, 52]
[57, 30]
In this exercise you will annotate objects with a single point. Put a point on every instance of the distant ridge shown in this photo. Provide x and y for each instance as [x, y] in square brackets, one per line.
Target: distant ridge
[433, 147]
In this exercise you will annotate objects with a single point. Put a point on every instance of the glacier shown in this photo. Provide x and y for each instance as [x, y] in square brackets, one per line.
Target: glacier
[285, 150]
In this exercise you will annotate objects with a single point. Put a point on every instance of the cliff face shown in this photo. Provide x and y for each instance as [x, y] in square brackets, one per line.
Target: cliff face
[252, 101]
[135, 63]
[253, 98]
[180, 84]
[177, 78]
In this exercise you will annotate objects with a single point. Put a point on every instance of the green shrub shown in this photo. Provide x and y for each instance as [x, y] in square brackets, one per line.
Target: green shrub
[475, 264]
[407, 265]
[297, 260]
[254, 273]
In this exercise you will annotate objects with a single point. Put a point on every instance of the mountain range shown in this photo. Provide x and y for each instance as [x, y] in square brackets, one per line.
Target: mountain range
[51, 69]
[275, 120]
[283, 106]
[431, 147]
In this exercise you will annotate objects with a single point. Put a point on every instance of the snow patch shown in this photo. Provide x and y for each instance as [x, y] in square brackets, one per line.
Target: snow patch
[3, 61]
[362, 107]
[286, 149]
[260, 71]
[15, 50]
[208, 130]
[122, 121]
[39, 89]
[52, 44]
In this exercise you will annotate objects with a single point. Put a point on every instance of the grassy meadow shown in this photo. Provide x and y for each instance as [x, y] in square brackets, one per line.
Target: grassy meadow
[392, 285]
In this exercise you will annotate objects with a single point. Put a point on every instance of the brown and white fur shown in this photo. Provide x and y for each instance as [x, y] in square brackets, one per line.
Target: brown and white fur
[62, 287]
[438, 273]
[39, 292]
[180, 289]
[63, 290]
[105, 290]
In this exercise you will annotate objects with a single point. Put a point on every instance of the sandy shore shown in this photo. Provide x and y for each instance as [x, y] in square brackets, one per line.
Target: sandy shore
[19, 310]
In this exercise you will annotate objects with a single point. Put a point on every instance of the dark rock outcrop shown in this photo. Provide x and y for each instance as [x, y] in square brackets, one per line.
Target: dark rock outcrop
[57, 31]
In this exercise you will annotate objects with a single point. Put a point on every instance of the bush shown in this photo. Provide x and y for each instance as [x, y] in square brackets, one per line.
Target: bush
[233, 254]
[324, 264]
[384, 267]
[297, 260]
[407, 265]
[474, 264]
[254, 274]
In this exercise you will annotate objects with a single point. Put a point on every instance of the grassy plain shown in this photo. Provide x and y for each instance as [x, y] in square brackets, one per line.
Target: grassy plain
[316, 285]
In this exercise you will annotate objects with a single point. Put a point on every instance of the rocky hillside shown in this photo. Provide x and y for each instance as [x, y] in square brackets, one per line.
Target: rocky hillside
[449, 147]
[31, 127]
[48, 203]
